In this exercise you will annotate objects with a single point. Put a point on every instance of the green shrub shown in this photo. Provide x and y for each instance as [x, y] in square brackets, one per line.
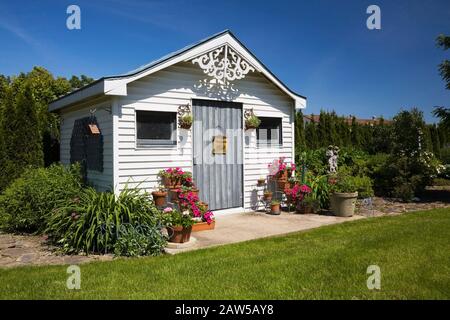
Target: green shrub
[27, 201]
[406, 176]
[363, 185]
[93, 222]
[144, 240]
[348, 184]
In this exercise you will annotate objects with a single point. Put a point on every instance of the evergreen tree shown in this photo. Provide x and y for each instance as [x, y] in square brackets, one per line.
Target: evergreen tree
[408, 132]
[27, 139]
[444, 135]
[300, 142]
[335, 138]
[355, 134]
[311, 134]
[322, 129]
[7, 131]
[436, 144]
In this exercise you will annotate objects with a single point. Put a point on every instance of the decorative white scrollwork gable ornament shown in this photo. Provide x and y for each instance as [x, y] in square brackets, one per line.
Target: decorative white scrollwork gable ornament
[224, 64]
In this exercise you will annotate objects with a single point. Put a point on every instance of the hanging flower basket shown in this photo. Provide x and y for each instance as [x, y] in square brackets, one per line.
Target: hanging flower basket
[185, 118]
[186, 121]
[251, 120]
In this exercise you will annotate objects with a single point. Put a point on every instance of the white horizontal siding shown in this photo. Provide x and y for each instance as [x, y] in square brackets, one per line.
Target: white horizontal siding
[175, 86]
[100, 180]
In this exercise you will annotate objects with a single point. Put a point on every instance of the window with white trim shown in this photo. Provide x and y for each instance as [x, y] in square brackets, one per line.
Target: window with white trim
[156, 128]
[269, 132]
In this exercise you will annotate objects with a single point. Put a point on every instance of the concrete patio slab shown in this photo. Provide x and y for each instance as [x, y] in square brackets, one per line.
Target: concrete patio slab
[248, 226]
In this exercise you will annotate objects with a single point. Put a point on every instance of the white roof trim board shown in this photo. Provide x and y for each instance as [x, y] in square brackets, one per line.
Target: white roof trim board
[117, 85]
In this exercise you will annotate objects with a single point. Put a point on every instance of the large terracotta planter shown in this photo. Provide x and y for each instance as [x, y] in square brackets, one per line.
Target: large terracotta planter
[180, 234]
[343, 204]
[202, 226]
[159, 198]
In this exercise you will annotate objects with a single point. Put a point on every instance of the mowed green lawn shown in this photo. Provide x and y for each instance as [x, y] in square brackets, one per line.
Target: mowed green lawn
[412, 250]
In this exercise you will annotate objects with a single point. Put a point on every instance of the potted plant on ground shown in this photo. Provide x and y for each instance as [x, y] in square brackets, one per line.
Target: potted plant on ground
[275, 207]
[308, 205]
[179, 225]
[343, 197]
[297, 193]
[206, 219]
[159, 197]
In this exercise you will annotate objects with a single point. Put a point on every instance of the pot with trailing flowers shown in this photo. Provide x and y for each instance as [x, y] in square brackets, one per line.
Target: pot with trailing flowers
[203, 218]
[179, 225]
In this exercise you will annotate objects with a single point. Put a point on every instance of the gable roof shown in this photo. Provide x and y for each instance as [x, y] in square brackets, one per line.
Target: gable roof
[116, 85]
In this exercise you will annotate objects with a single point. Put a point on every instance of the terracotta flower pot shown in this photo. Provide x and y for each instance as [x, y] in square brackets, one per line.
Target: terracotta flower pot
[171, 183]
[159, 198]
[275, 209]
[202, 226]
[302, 209]
[261, 182]
[180, 234]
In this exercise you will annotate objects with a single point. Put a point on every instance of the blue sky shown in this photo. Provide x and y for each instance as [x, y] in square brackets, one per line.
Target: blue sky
[321, 49]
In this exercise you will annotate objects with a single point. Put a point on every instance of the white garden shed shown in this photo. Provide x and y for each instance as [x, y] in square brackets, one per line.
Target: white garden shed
[220, 81]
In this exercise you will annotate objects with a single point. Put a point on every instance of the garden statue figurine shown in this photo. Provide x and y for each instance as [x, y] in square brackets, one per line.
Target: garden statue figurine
[332, 154]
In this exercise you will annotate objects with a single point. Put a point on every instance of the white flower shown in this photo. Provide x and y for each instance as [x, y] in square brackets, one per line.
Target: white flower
[185, 212]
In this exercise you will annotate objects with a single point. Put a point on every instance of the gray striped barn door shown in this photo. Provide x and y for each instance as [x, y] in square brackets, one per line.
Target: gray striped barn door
[218, 176]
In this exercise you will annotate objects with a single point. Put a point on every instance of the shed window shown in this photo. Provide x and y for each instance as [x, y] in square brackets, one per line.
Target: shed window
[156, 128]
[269, 132]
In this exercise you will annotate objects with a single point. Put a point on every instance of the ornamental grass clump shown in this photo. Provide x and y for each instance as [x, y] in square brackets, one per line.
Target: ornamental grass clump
[98, 222]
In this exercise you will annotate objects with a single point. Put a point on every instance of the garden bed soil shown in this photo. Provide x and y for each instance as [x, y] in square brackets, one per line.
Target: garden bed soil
[26, 250]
